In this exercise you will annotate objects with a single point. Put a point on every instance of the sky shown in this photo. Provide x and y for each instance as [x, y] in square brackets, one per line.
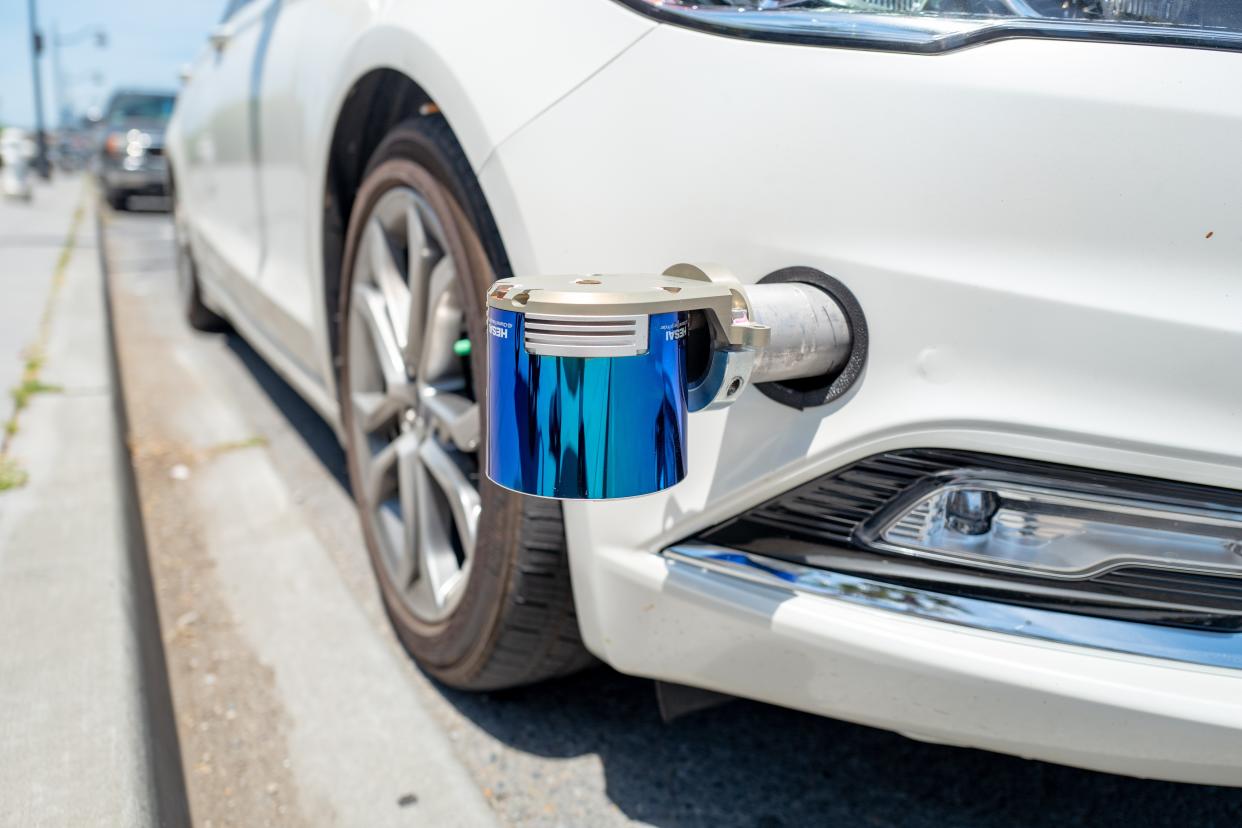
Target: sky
[148, 41]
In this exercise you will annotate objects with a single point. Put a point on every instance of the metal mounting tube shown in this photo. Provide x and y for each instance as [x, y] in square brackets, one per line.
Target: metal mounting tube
[810, 333]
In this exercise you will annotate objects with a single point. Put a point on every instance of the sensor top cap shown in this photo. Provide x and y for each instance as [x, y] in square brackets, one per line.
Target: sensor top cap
[680, 289]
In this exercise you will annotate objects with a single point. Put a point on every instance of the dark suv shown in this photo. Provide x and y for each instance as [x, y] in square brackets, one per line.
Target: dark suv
[131, 157]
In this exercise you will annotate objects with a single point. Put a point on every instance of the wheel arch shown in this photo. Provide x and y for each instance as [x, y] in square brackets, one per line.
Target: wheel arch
[378, 72]
[377, 101]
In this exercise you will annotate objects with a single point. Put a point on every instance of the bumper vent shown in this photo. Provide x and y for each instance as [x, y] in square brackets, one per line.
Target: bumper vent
[1177, 587]
[830, 508]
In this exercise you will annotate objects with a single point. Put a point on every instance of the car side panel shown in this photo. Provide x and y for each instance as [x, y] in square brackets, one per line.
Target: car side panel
[228, 217]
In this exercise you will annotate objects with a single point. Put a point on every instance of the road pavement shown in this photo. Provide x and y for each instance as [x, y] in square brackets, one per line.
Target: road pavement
[296, 705]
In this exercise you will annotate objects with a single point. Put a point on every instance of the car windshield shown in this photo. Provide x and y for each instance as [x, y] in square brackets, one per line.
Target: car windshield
[140, 107]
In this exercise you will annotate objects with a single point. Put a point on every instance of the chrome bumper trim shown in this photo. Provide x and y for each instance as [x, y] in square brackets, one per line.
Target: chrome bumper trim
[1205, 648]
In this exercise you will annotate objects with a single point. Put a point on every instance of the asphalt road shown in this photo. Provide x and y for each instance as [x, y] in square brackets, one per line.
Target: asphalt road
[587, 750]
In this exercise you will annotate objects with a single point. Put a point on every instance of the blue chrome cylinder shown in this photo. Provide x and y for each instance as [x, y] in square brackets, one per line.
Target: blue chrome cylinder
[586, 427]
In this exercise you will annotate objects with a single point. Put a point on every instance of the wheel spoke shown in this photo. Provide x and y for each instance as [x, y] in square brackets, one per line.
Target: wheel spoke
[463, 498]
[437, 564]
[392, 481]
[453, 416]
[380, 480]
[421, 257]
[386, 271]
[423, 250]
[408, 483]
[374, 409]
[443, 323]
[369, 303]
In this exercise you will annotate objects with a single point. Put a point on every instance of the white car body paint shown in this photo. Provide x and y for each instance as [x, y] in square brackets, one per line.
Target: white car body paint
[317, 52]
[1043, 235]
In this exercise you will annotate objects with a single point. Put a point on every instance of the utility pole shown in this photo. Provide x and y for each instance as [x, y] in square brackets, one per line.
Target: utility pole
[96, 34]
[36, 49]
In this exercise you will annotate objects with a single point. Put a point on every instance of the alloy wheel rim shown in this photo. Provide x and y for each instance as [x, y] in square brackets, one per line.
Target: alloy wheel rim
[414, 419]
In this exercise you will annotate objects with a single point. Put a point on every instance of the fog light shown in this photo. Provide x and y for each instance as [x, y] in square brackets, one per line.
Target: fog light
[1040, 526]
[970, 511]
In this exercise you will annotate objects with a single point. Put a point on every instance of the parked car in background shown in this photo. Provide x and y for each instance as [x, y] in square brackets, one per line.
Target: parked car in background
[131, 150]
[1016, 525]
[17, 151]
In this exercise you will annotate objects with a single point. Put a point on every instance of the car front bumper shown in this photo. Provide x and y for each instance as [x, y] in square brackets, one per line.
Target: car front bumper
[150, 177]
[869, 655]
[1032, 231]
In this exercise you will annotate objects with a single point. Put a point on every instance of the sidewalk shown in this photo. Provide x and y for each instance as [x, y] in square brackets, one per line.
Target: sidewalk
[32, 237]
[75, 742]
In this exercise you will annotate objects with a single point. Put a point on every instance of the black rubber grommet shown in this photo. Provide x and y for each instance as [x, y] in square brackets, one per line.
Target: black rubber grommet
[812, 391]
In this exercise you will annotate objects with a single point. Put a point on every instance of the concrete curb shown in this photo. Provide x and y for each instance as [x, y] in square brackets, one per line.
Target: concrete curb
[171, 804]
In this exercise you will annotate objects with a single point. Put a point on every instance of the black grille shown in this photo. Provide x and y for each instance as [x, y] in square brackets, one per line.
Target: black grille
[1177, 587]
[831, 508]
[817, 524]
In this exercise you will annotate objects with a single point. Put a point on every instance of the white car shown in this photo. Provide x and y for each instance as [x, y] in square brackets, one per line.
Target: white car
[17, 150]
[1010, 517]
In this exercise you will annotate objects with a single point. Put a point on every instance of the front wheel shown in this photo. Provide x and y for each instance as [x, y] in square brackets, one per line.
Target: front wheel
[475, 578]
[195, 309]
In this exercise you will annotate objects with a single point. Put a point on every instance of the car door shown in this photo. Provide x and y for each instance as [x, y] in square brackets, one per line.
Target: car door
[283, 180]
[228, 234]
[252, 220]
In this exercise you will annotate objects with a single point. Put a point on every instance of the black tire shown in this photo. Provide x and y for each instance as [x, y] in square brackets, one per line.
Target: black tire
[515, 623]
[117, 199]
[197, 314]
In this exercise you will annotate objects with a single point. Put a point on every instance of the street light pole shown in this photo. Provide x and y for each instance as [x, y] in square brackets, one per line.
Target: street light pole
[98, 35]
[36, 49]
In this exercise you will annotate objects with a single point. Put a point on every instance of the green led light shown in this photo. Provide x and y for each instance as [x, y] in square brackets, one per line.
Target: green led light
[462, 347]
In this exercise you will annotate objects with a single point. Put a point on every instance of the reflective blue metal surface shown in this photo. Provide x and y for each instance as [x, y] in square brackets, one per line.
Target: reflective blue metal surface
[1203, 647]
[586, 428]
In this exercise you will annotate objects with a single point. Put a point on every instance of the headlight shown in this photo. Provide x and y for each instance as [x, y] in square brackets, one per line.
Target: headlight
[136, 143]
[941, 25]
